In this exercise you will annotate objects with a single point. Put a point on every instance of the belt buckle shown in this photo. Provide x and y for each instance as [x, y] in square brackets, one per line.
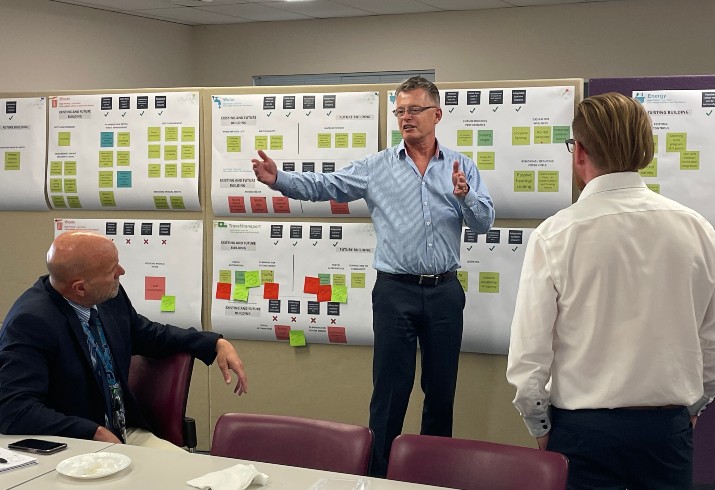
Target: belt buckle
[429, 279]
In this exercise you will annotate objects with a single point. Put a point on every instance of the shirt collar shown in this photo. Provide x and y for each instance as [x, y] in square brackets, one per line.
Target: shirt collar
[611, 182]
[82, 311]
[402, 151]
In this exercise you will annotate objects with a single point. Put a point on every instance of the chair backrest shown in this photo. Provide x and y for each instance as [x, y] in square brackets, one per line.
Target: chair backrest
[161, 387]
[294, 441]
[472, 465]
[704, 448]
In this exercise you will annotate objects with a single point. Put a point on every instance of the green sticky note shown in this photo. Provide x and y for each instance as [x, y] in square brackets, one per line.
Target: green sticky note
[488, 282]
[520, 135]
[465, 137]
[396, 137]
[463, 278]
[253, 279]
[360, 140]
[654, 187]
[106, 179]
[187, 152]
[267, 276]
[73, 202]
[561, 134]
[324, 279]
[70, 186]
[171, 152]
[55, 185]
[154, 170]
[12, 160]
[168, 303]
[342, 140]
[485, 137]
[70, 168]
[161, 202]
[468, 154]
[188, 170]
[224, 276]
[106, 199]
[690, 160]
[170, 170]
[338, 279]
[297, 338]
[261, 142]
[675, 141]
[106, 159]
[63, 139]
[55, 168]
[154, 151]
[548, 180]
[651, 170]
[171, 133]
[523, 181]
[325, 140]
[153, 134]
[339, 294]
[357, 280]
[188, 134]
[123, 139]
[655, 143]
[485, 160]
[240, 277]
[58, 202]
[233, 144]
[276, 142]
[122, 159]
[542, 135]
[177, 202]
[240, 292]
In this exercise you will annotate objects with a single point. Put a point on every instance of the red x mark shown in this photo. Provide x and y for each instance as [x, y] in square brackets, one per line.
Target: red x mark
[163, 242]
[312, 320]
[129, 241]
[293, 319]
[275, 318]
[146, 241]
[332, 321]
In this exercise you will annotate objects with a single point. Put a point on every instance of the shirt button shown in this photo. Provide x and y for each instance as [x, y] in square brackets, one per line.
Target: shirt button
[424, 183]
[425, 203]
[428, 223]
[429, 244]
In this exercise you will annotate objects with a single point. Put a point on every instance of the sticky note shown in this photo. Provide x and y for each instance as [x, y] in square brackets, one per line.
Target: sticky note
[282, 332]
[276, 142]
[106, 179]
[325, 140]
[154, 151]
[463, 278]
[233, 144]
[465, 137]
[188, 133]
[267, 275]
[338, 279]
[520, 135]
[188, 170]
[675, 141]
[270, 290]
[123, 139]
[468, 154]
[123, 158]
[360, 140]
[650, 170]
[396, 137]
[106, 139]
[297, 338]
[548, 180]
[311, 285]
[106, 199]
[170, 152]
[73, 202]
[488, 282]
[168, 303]
[341, 140]
[124, 179]
[170, 170]
[171, 133]
[560, 134]
[339, 294]
[253, 279]
[58, 202]
[324, 279]
[485, 160]
[261, 142]
[153, 134]
[223, 291]
[70, 168]
[239, 277]
[542, 135]
[357, 280]
[224, 276]
[70, 186]
[177, 202]
[654, 187]
[63, 138]
[240, 292]
[690, 160]
[55, 168]
[187, 152]
[12, 160]
[523, 181]
[154, 287]
[336, 335]
[485, 137]
[154, 170]
[161, 202]
[325, 293]
[55, 185]
[106, 158]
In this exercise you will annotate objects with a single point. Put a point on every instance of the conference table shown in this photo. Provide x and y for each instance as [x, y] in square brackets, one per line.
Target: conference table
[161, 469]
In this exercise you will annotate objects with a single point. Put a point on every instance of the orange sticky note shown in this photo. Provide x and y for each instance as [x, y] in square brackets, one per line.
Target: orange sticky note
[223, 290]
[154, 287]
[311, 285]
[325, 293]
[270, 290]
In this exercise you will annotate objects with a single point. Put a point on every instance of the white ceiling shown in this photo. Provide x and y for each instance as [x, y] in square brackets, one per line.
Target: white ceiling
[201, 12]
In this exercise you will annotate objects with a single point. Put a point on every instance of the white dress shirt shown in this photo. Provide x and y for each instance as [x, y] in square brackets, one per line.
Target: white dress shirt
[616, 305]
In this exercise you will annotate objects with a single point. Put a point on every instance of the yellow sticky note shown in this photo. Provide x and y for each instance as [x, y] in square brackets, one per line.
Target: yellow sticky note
[463, 278]
[233, 144]
[488, 282]
[224, 276]
[524, 181]
[168, 303]
[253, 279]
[338, 279]
[341, 140]
[267, 275]
[465, 137]
[339, 294]
[520, 135]
[548, 180]
[240, 292]
[325, 140]
[297, 338]
[357, 280]
[188, 133]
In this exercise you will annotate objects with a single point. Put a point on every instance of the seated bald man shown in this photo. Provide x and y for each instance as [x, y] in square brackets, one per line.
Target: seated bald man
[66, 345]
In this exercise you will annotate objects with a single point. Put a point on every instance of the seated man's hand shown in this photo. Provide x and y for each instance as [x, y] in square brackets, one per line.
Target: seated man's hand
[228, 361]
[105, 435]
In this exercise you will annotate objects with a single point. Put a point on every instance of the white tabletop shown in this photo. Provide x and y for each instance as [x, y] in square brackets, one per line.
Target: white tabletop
[161, 469]
[45, 463]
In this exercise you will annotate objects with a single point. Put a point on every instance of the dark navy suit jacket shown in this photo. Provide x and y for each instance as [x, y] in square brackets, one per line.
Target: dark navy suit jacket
[47, 385]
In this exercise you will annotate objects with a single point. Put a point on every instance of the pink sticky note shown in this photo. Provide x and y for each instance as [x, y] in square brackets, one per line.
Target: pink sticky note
[154, 287]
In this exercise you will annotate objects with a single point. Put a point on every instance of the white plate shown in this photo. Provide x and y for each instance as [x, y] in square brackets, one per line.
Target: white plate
[93, 465]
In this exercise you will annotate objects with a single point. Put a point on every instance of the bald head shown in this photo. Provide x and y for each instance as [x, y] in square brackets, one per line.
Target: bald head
[82, 265]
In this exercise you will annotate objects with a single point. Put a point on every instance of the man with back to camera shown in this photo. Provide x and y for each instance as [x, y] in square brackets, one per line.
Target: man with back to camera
[418, 194]
[66, 345]
[614, 325]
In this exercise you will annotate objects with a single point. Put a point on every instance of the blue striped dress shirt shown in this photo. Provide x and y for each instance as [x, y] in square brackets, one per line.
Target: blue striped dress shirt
[417, 219]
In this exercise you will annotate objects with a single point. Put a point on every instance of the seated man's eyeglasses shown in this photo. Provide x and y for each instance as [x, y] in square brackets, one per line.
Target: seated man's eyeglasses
[570, 143]
[412, 111]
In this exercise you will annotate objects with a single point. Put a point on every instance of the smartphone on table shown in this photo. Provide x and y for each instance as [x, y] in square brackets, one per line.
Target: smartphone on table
[37, 446]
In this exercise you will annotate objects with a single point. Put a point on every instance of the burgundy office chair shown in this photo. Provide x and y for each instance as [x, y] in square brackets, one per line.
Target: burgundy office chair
[474, 465]
[293, 441]
[161, 387]
[704, 449]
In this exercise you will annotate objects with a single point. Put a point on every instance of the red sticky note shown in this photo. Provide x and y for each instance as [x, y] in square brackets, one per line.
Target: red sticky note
[282, 332]
[325, 293]
[223, 290]
[336, 335]
[154, 287]
[236, 204]
[281, 204]
[311, 285]
[259, 205]
[339, 207]
[270, 290]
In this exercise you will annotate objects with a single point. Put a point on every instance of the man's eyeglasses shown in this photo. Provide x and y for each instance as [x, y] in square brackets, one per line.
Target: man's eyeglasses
[570, 143]
[412, 111]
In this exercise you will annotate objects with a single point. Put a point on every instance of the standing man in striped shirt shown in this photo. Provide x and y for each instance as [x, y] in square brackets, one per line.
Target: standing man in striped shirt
[418, 194]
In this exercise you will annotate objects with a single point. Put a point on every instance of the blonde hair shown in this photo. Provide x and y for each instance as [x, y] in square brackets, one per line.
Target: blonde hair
[616, 132]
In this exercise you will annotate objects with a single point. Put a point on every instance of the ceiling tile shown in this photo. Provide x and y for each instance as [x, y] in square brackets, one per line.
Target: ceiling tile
[190, 15]
[255, 12]
[391, 7]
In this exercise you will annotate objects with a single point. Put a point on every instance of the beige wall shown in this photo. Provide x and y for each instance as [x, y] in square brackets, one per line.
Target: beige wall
[48, 46]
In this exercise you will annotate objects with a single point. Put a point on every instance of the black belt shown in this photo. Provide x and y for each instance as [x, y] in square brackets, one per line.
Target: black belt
[423, 279]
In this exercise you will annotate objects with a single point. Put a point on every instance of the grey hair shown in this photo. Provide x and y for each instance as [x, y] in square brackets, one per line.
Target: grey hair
[416, 83]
